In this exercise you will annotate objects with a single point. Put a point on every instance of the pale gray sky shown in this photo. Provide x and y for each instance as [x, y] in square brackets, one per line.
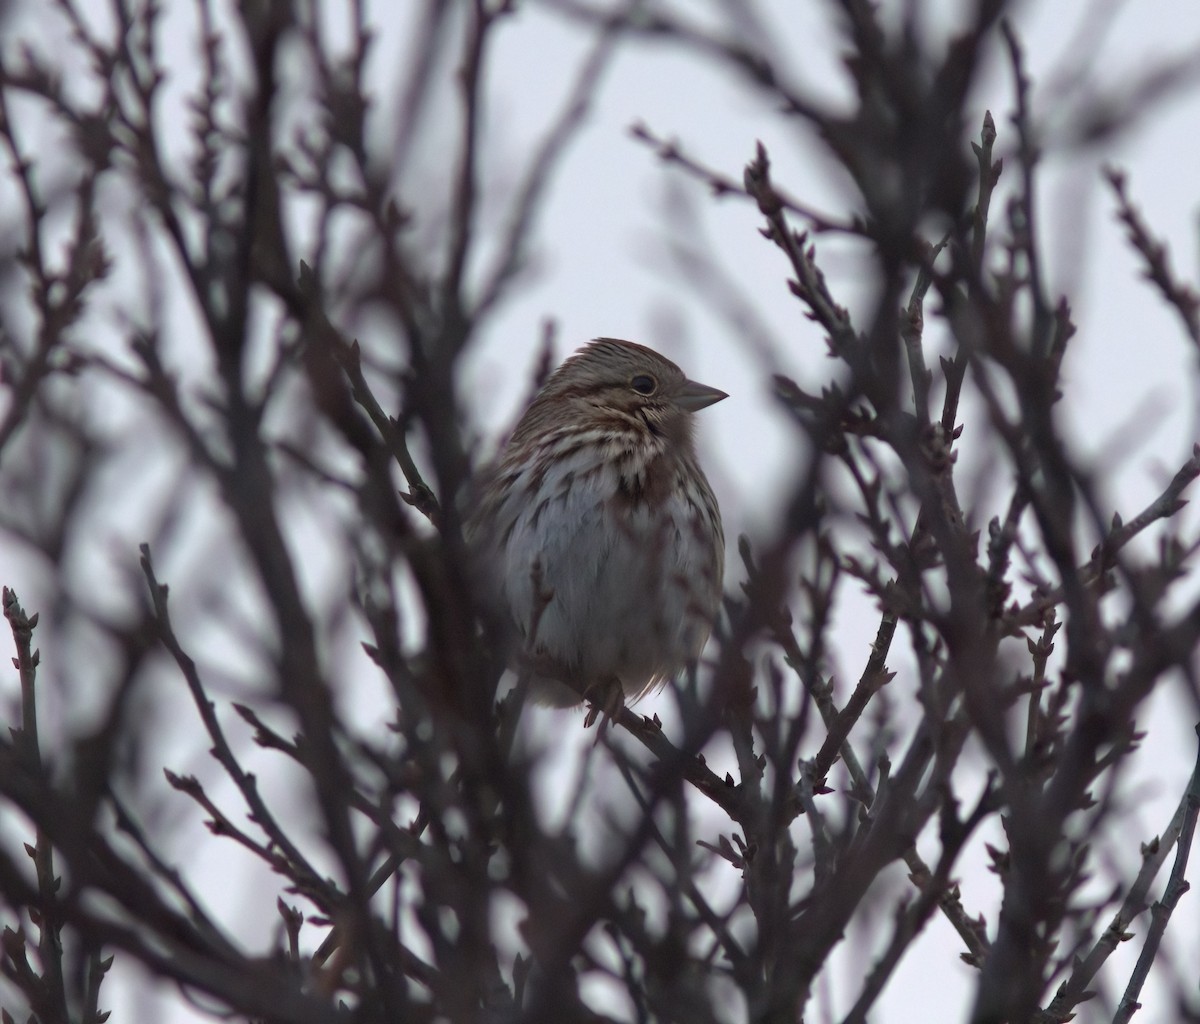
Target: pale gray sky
[604, 268]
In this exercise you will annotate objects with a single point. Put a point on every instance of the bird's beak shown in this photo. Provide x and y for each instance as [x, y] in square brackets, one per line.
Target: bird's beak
[695, 396]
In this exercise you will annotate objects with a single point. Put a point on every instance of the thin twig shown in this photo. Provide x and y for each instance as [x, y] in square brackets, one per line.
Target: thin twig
[1154, 854]
[1181, 297]
[1167, 504]
[1160, 913]
[670, 151]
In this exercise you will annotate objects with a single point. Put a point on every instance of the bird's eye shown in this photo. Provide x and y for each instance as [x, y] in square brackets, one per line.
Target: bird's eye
[643, 384]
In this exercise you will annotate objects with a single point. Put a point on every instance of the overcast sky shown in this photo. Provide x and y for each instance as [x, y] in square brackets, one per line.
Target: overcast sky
[612, 259]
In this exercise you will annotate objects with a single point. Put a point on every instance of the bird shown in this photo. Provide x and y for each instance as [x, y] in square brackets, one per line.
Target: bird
[599, 535]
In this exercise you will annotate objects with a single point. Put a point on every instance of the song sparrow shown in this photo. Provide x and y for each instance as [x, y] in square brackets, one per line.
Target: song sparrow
[600, 531]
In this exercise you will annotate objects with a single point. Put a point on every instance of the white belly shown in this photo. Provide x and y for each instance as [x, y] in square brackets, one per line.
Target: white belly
[632, 593]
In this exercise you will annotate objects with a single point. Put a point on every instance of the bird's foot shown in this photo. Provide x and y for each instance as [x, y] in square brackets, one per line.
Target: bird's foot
[606, 701]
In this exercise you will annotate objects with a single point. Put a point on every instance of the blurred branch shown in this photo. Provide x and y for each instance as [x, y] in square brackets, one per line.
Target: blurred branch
[672, 153]
[1160, 912]
[349, 358]
[1182, 298]
[911, 917]
[1166, 505]
[534, 187]
[465, 169]
[1026, 227]
[639, 19]
[1074, 989]
[46, 989]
